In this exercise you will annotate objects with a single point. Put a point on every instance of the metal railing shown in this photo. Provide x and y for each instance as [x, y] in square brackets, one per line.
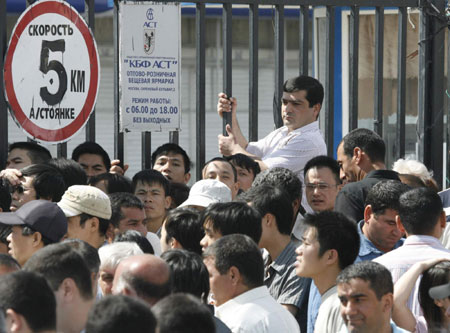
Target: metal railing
[430, 129]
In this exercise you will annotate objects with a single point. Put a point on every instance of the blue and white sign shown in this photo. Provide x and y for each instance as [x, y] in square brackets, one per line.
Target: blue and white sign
[149, 67]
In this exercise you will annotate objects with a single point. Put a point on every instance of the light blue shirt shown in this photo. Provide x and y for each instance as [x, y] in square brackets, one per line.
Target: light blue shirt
[368, 251]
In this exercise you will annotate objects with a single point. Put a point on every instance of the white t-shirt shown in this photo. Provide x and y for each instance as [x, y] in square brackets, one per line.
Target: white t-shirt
[329, 318]
[255, 311]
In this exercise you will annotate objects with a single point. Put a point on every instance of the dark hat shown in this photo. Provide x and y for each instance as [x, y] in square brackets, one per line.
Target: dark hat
[40, 215]
[440, 292]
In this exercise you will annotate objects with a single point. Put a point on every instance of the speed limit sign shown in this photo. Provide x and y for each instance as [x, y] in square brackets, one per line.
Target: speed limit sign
[51, 71]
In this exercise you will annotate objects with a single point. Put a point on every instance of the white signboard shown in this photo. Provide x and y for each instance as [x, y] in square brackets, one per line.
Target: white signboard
[51, 71]
[149, 66]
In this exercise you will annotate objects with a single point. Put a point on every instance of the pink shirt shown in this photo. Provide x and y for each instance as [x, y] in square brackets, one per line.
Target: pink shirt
[416, 248]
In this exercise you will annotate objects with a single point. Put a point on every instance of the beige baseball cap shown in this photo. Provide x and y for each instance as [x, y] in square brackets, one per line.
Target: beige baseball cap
[79, 199]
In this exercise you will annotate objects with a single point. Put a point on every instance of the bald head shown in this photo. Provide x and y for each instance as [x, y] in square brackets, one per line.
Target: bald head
[143, 276]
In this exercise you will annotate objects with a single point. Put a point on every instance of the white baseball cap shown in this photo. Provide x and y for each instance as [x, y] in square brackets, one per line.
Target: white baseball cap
[206, 192]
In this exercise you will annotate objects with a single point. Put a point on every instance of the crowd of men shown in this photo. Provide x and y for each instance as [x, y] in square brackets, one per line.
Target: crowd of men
[276, 237]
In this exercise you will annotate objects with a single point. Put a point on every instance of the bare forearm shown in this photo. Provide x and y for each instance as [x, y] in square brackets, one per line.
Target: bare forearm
[240, 139]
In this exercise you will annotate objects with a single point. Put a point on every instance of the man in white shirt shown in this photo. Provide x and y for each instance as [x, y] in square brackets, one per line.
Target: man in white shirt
[290, 146]
[330, 244]
[243, 303]
[421, 217]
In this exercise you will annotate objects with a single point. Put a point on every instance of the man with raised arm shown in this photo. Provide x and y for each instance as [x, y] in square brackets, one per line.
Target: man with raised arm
[290, 146]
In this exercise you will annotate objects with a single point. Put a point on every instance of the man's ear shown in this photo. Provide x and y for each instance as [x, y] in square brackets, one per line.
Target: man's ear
[93, 224]
[387, 302]
[111, 233]
[37, 239]
[357, 154]
[400, 226]
[67, 290]
[331, 256]
[234, 275]
[296, 206]
[174, 244]
[269, 220]
[15, 322]
[316, 109]
[167, 202]
[187, 177]
[367, 213]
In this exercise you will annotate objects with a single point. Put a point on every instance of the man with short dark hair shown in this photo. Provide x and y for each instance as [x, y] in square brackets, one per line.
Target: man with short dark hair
[37, 181]
[152, 188]
[111, 183]
[190, 276]
[24, 153]
[242, 302]
[365, 291]
[221, 219]
[330, 243]
[284, 285]
[92, 158]
[34, 225]
[90, 256]
[361, 156]
[322, 182]
[69, 277]
[422, 218]
[28, 303]
[183, 313]
[378, 230]
[224, 171]
[143, 276]
[183, 230]
[88, 211]
[70, 170]
[128, 214]
[118, 314]
[173, 162]
[290, 146]
[286, 179]
[247, 169]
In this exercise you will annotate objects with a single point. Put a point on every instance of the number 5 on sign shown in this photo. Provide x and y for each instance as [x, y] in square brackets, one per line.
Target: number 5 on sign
[54, 65]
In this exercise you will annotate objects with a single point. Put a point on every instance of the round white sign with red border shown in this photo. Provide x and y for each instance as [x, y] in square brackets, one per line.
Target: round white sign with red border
[51, 71]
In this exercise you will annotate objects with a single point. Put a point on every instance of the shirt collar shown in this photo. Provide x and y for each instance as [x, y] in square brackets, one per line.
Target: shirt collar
[423, 239]
[280, 262]
[248, 297]
[367, 246]
[314, 126]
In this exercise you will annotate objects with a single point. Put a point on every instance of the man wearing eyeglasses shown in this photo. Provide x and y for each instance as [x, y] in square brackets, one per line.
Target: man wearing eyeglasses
[322, 182]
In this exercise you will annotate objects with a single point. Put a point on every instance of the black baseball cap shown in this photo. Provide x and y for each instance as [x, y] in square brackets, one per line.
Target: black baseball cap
[40, 215]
